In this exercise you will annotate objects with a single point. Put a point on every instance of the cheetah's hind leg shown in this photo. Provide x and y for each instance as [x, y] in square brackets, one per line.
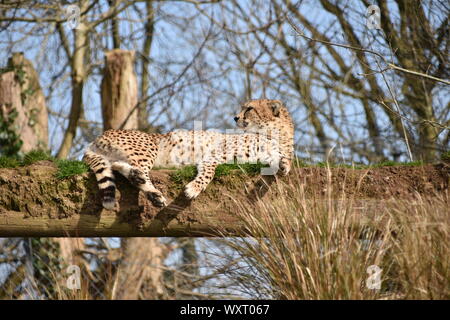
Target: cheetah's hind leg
[139, 177]
[105, 177]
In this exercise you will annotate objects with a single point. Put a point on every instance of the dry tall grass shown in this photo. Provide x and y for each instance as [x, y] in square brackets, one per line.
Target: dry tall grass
[309, 246]
[304, 245]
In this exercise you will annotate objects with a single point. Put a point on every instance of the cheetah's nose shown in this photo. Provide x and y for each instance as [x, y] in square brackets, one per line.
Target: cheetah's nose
[236, 119]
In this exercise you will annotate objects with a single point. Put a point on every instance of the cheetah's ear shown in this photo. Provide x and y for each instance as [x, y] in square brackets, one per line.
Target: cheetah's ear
[276, 107]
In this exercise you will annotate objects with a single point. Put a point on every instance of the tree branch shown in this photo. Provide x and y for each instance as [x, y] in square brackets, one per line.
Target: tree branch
[388, 64]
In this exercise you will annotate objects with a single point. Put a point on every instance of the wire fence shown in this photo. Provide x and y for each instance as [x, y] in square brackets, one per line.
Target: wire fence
[34, 268]
[112, 268]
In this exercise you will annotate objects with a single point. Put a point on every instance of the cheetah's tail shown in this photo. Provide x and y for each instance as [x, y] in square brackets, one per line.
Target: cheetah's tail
[101, 166]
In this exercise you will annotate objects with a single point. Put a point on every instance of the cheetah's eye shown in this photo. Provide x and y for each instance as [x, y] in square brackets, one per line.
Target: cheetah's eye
[249, 109]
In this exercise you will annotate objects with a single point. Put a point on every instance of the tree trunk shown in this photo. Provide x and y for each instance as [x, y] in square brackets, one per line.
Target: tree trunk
[33, 100]
[68, 248]
[144, 125]
[115, 26]
[21, 97]
[140, 274]
[78, 66]
[119, 91]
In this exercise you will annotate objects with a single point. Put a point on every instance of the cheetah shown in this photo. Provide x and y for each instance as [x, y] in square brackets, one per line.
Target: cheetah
[265, 135]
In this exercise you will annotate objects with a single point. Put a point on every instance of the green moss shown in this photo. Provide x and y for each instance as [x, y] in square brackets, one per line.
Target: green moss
[9, 162]
[245, 168]
[29, 158]
[35, 156]
[393, 163]
[359, 166]
[68, 168]
[184, 174]
[189, 172]
[300, 163]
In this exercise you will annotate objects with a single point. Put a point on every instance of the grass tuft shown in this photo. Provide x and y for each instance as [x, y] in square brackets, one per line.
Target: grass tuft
[35, 156]
[189, 172]
[8, 162]
[184, 174]
[68, 168]
[245, 168]
[28, 159]
[394, 163]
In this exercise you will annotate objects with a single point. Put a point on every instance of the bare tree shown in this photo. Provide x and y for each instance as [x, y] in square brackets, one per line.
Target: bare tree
[375, 108]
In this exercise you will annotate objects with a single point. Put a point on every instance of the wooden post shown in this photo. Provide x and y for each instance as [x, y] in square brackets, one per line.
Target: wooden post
[119, 91]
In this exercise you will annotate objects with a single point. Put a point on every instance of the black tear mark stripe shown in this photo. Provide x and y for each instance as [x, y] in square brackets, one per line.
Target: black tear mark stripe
[105, 179]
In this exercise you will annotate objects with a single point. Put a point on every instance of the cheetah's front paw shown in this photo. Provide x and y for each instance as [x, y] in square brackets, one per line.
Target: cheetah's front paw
[157, 199]
[191, 190]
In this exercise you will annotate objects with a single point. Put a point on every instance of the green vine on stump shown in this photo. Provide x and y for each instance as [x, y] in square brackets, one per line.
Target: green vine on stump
[10, 140]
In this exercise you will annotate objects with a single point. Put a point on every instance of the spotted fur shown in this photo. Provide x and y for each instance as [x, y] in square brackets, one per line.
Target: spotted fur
[266, 135]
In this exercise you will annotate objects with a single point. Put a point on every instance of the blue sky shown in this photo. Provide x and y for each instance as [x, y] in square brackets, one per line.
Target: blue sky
[176, 40]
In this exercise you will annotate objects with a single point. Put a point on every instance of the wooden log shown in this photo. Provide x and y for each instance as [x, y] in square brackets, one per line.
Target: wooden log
[33, 202]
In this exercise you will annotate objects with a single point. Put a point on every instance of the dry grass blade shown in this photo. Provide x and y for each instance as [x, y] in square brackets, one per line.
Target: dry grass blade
[319, 246]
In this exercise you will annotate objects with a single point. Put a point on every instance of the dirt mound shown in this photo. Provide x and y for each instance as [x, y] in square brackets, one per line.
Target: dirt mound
[381, 183]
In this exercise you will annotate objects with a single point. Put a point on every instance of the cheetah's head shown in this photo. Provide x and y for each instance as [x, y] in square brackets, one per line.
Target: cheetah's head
[261, 113]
